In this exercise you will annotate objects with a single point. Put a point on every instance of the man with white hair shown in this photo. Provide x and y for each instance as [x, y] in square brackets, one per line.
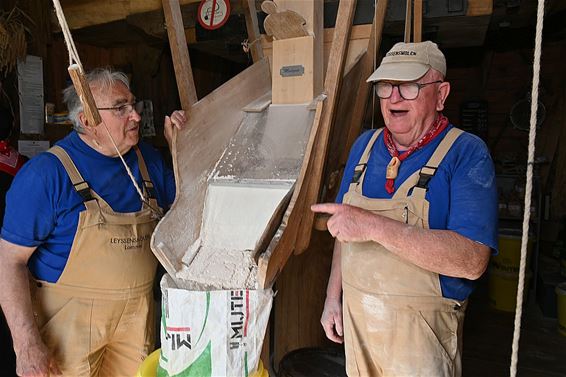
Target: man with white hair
[76, 222]
[415, 223]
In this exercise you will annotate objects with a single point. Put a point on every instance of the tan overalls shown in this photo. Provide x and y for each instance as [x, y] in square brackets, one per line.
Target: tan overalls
[396, 322]
[98, 319]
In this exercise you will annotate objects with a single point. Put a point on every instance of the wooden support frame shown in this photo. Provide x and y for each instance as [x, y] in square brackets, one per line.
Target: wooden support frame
[364, 89]
[252, 26]
[332, 85]
[180, 53]
[298, 221]
[84, 93]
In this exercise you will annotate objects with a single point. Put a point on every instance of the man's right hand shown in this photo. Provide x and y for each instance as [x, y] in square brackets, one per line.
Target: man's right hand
[331, 319]
[35, 360]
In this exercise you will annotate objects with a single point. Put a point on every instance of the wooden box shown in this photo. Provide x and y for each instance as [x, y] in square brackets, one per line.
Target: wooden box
[292, 75]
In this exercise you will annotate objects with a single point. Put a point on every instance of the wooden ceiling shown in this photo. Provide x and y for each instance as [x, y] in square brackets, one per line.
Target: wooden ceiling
[110, 23]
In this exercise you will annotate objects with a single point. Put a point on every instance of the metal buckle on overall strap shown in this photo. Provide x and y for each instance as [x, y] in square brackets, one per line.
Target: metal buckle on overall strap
[425, 175]
[358, 171]
[83, 189]
[150, 189]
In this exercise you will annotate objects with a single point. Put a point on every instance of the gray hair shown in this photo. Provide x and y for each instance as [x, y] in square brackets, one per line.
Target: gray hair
[103, 79]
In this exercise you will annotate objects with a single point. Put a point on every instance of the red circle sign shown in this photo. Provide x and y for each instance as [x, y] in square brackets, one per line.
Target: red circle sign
[212, 14]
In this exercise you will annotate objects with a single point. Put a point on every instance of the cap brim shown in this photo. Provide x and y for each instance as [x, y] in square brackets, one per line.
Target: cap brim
[399, 72]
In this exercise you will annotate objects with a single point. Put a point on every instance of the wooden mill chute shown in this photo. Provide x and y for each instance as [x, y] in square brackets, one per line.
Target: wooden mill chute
[214, 120]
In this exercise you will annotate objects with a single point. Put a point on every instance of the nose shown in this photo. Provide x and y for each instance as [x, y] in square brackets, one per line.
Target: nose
[135, 116]
[395, 95]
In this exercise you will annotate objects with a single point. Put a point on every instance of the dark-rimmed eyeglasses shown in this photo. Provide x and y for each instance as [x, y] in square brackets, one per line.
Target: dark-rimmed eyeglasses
[126, 109]
[407, 90]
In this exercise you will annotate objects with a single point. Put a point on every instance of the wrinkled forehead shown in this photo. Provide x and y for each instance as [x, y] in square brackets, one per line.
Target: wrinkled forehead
[110, 96]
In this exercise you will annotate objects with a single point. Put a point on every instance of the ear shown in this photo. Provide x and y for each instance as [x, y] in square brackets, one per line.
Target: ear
[83, 119]
[443, 92]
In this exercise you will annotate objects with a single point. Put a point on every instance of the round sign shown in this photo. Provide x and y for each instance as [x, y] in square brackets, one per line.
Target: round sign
[212, 14]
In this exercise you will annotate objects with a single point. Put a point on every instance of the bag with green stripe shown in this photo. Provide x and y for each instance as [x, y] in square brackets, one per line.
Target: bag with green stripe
[212, 333]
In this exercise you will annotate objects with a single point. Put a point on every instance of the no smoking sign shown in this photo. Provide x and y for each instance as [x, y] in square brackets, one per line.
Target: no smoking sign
[212, 14]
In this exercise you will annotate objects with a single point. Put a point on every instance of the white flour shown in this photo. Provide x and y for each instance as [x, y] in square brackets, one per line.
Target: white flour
[235, 216]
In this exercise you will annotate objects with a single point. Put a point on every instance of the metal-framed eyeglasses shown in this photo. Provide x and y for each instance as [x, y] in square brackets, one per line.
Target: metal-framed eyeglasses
[126, 109]
[407, 90]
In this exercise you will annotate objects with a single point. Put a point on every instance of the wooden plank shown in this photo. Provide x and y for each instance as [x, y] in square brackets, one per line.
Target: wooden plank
[418, 21]
[272, 261]
[408, 9]
[211, 124]
[81, 14]
[84, 93]
[359, 109]
[180, 53]
[332, 86]
[252, 26]
[259, 104]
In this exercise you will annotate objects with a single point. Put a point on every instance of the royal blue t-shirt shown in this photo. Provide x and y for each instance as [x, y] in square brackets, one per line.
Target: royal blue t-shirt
[42, 207]
[462, 194]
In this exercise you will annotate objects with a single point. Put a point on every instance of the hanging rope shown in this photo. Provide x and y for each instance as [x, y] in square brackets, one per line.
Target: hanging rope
[84, 94]
[528, 188]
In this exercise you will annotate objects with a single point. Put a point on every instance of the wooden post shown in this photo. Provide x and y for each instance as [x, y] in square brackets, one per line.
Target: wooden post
[418, 21]
[408, 21]
[332, 85]
[252, 27]
[84, 93]
[180, 53]
[362, 95]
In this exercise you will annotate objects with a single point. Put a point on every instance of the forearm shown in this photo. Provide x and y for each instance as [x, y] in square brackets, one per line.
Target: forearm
[334, 288]
[16, 300]
[441, 251]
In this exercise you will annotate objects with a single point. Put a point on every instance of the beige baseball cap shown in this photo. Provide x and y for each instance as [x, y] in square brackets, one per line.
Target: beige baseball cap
[409, 61]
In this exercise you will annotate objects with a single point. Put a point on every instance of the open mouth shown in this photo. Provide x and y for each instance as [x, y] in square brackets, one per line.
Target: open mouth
[396, 113]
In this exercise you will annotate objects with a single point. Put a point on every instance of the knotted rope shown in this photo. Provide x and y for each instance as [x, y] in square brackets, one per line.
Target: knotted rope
[528, 188]
[74, 61]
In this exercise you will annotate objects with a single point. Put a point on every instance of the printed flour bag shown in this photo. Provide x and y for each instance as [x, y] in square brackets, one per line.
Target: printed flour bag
[212, 333]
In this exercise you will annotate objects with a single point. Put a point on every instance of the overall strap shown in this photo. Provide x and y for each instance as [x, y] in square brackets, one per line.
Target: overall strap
[79, 184]
[360, 168]
[147, 183]
[420, 179]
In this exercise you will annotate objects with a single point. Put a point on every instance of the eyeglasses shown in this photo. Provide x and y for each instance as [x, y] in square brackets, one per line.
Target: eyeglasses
[126, 109]
[407, 90]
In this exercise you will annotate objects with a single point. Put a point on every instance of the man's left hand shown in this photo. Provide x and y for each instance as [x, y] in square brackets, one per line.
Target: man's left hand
[177, 120]
[347, 223]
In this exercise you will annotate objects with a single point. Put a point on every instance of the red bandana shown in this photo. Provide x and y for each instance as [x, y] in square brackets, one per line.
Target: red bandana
[437, 127]
[10, 160]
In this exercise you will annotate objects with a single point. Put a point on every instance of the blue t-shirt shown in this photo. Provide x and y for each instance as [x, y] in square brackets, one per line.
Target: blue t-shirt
[42, 207]
[462, 194]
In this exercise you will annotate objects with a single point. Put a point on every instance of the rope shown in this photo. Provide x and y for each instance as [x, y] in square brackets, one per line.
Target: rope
[74, 56]
[71, 48]
[528, 187]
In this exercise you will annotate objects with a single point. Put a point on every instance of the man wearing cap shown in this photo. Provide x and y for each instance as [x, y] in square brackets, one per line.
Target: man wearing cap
[415, 221]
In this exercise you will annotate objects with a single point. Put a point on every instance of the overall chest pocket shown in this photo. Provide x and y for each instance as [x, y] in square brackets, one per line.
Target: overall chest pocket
[407, 211]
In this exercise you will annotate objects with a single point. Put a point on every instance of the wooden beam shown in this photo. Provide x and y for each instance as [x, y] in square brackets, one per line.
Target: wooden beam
[332, 85]
[252, 26]
[81, 14]
[370, 63]
[180, 53]
[408, 9]
[418, 21]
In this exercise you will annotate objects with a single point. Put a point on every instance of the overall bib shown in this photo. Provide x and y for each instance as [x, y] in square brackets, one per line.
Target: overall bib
[98, 318]
[396, 322]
